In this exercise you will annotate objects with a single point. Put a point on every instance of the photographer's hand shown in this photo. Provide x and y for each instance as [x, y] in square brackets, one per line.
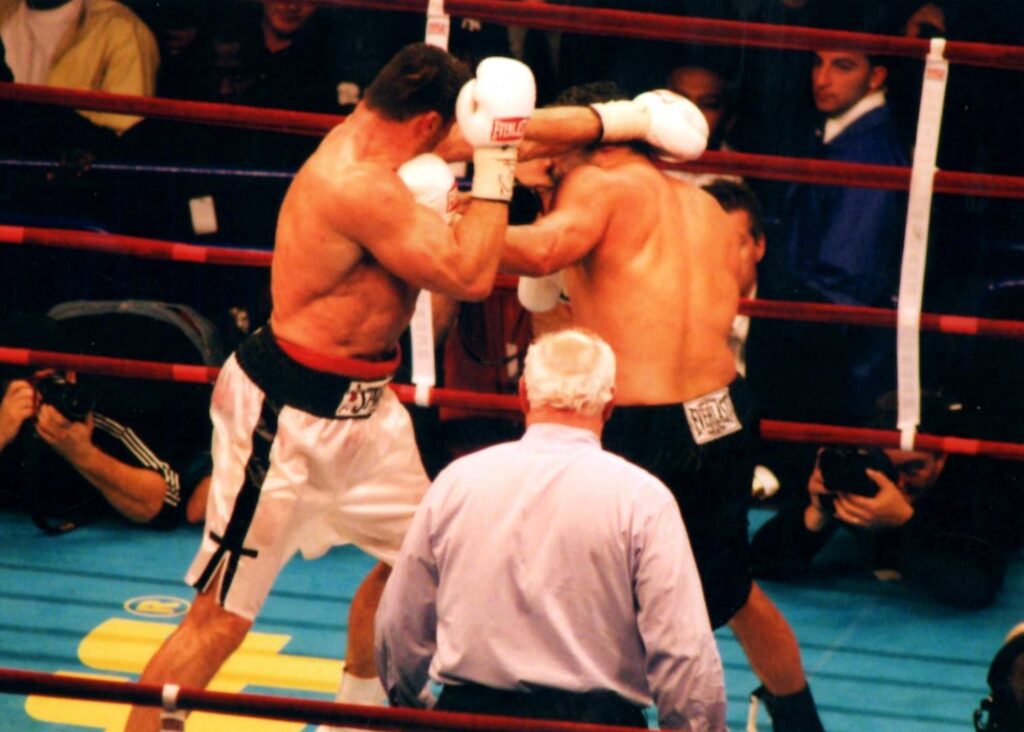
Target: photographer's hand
[815, 515]
[886, 510]
[17, 406]
[71, 440]
[137, 493]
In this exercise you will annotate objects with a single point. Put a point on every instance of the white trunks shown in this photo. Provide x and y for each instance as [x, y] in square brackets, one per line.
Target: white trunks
[302, 460]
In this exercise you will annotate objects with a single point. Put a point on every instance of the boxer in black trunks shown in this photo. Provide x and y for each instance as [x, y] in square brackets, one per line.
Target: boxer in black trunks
[711, 483]
[651, 264]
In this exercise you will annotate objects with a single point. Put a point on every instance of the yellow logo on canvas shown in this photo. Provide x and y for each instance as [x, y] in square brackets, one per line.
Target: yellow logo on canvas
[157, 606]
[124, 646]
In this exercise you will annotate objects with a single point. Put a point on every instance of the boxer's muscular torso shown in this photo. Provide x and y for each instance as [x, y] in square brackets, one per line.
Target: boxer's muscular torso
[661, 286]
[329, 293]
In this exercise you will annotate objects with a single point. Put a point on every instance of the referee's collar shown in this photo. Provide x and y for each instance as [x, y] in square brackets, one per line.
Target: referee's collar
[550, 431]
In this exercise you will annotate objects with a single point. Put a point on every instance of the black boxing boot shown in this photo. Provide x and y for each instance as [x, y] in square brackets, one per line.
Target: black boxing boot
[791, 713]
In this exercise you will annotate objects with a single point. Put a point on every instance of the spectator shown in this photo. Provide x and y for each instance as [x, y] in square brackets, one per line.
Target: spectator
[758, 343]
[842, 244]
[940, 522]
[273, 54]
[576, 558]
[708, 86]
[59, 451]
[81, 44]
[282, 54]
[77, 44]
[108, 455]
[175, 26]
[744, 211]
[289, 54]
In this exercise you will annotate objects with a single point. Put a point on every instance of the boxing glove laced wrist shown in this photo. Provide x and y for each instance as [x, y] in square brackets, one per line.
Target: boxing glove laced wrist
[622, 120]
[494, 173]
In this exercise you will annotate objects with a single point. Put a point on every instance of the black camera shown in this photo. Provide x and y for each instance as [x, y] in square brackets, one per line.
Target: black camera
[842, 469]
[72, 400]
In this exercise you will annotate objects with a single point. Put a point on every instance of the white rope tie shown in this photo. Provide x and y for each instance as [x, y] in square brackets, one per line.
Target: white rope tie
[438, 25]
[915, 243]
[172, 719]
[424, 371]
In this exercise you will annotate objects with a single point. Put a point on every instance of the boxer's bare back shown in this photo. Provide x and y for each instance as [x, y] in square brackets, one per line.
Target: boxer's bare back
[649, 265]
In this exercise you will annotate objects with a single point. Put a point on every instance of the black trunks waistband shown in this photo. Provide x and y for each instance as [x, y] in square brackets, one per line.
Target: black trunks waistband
[705, 418]
[273, 367]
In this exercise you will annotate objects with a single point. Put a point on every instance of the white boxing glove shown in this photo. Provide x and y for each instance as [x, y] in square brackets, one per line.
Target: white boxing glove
[540, 294]
[432, 184]
[492, 111]
[670, 123]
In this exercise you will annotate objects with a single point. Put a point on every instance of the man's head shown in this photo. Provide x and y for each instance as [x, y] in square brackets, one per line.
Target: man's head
[745, 213]
[571, 372]
[709, 89]
[586, 94]
[419, 81]
[840, 79]
[583, 95]
[284, 18]
[918, 470]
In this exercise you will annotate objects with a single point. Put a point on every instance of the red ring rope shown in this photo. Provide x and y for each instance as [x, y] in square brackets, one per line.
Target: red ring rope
[880, 317]
[770, 429]
[229, 115]
[133, 245]
[860, 175]
[130, 368]
[777, 309]
[824, 434]
[16, 681]
[634, 24]
[750, 165]
[590, 20]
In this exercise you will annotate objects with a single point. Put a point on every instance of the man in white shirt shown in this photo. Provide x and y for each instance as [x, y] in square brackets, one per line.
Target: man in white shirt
[547, 578]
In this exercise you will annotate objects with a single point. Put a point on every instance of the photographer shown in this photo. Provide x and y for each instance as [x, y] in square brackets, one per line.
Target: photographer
[56, 451]
[940, 522]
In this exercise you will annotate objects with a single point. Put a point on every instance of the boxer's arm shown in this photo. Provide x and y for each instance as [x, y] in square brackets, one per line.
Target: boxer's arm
[550, 131]
[575, 226]
[375, 209]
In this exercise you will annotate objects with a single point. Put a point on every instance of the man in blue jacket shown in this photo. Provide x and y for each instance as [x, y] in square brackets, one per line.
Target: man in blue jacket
[842, 244]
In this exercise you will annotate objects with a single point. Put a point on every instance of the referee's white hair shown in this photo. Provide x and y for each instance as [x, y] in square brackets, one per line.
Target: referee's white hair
[570, 369]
